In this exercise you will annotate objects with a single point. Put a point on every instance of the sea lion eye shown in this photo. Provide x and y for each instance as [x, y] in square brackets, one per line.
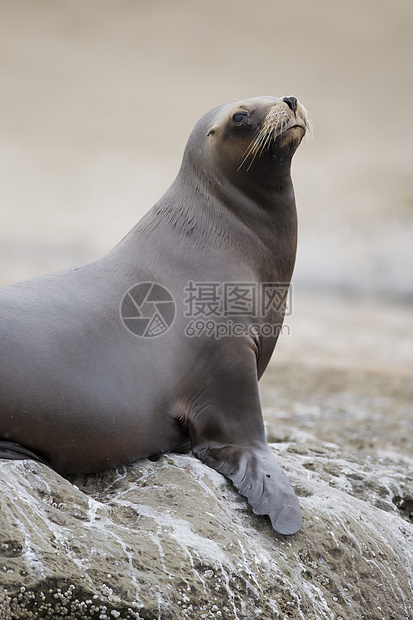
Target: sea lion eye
[239, 117]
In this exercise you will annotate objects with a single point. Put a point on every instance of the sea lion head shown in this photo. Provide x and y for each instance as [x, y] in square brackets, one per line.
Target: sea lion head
[253, 139]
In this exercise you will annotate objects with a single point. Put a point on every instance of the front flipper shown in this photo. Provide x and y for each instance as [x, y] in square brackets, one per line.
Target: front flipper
[256, 475]
[226, 428]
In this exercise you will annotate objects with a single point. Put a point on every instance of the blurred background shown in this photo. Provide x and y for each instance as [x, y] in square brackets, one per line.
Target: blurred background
[97, 100]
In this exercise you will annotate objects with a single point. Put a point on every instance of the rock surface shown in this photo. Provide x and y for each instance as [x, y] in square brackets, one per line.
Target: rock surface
[171, 538]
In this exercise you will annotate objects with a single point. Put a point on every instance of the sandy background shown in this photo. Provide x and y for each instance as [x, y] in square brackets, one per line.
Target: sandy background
[97, 99]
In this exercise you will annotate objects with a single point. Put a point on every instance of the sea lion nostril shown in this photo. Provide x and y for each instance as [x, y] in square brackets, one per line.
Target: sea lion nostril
[291, 102]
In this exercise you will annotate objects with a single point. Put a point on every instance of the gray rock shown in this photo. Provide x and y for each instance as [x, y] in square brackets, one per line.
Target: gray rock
[171, 538]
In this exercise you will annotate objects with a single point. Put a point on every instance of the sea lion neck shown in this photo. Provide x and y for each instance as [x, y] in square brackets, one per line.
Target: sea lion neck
[225, 220]
[263, 184]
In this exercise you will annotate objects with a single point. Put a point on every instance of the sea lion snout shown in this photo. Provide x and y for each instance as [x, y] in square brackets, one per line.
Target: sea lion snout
[292, 103]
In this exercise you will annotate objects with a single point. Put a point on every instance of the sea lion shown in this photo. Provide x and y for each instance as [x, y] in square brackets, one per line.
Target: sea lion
[106, 363]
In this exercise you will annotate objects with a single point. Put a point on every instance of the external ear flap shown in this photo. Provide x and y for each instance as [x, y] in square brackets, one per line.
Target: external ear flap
[211, 131]
[256, 475]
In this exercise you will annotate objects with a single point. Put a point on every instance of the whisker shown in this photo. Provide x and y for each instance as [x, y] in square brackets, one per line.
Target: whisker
[255, 148]
[273, 126]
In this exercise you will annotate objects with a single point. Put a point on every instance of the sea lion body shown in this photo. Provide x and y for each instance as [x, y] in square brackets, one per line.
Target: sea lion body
[83, 393]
